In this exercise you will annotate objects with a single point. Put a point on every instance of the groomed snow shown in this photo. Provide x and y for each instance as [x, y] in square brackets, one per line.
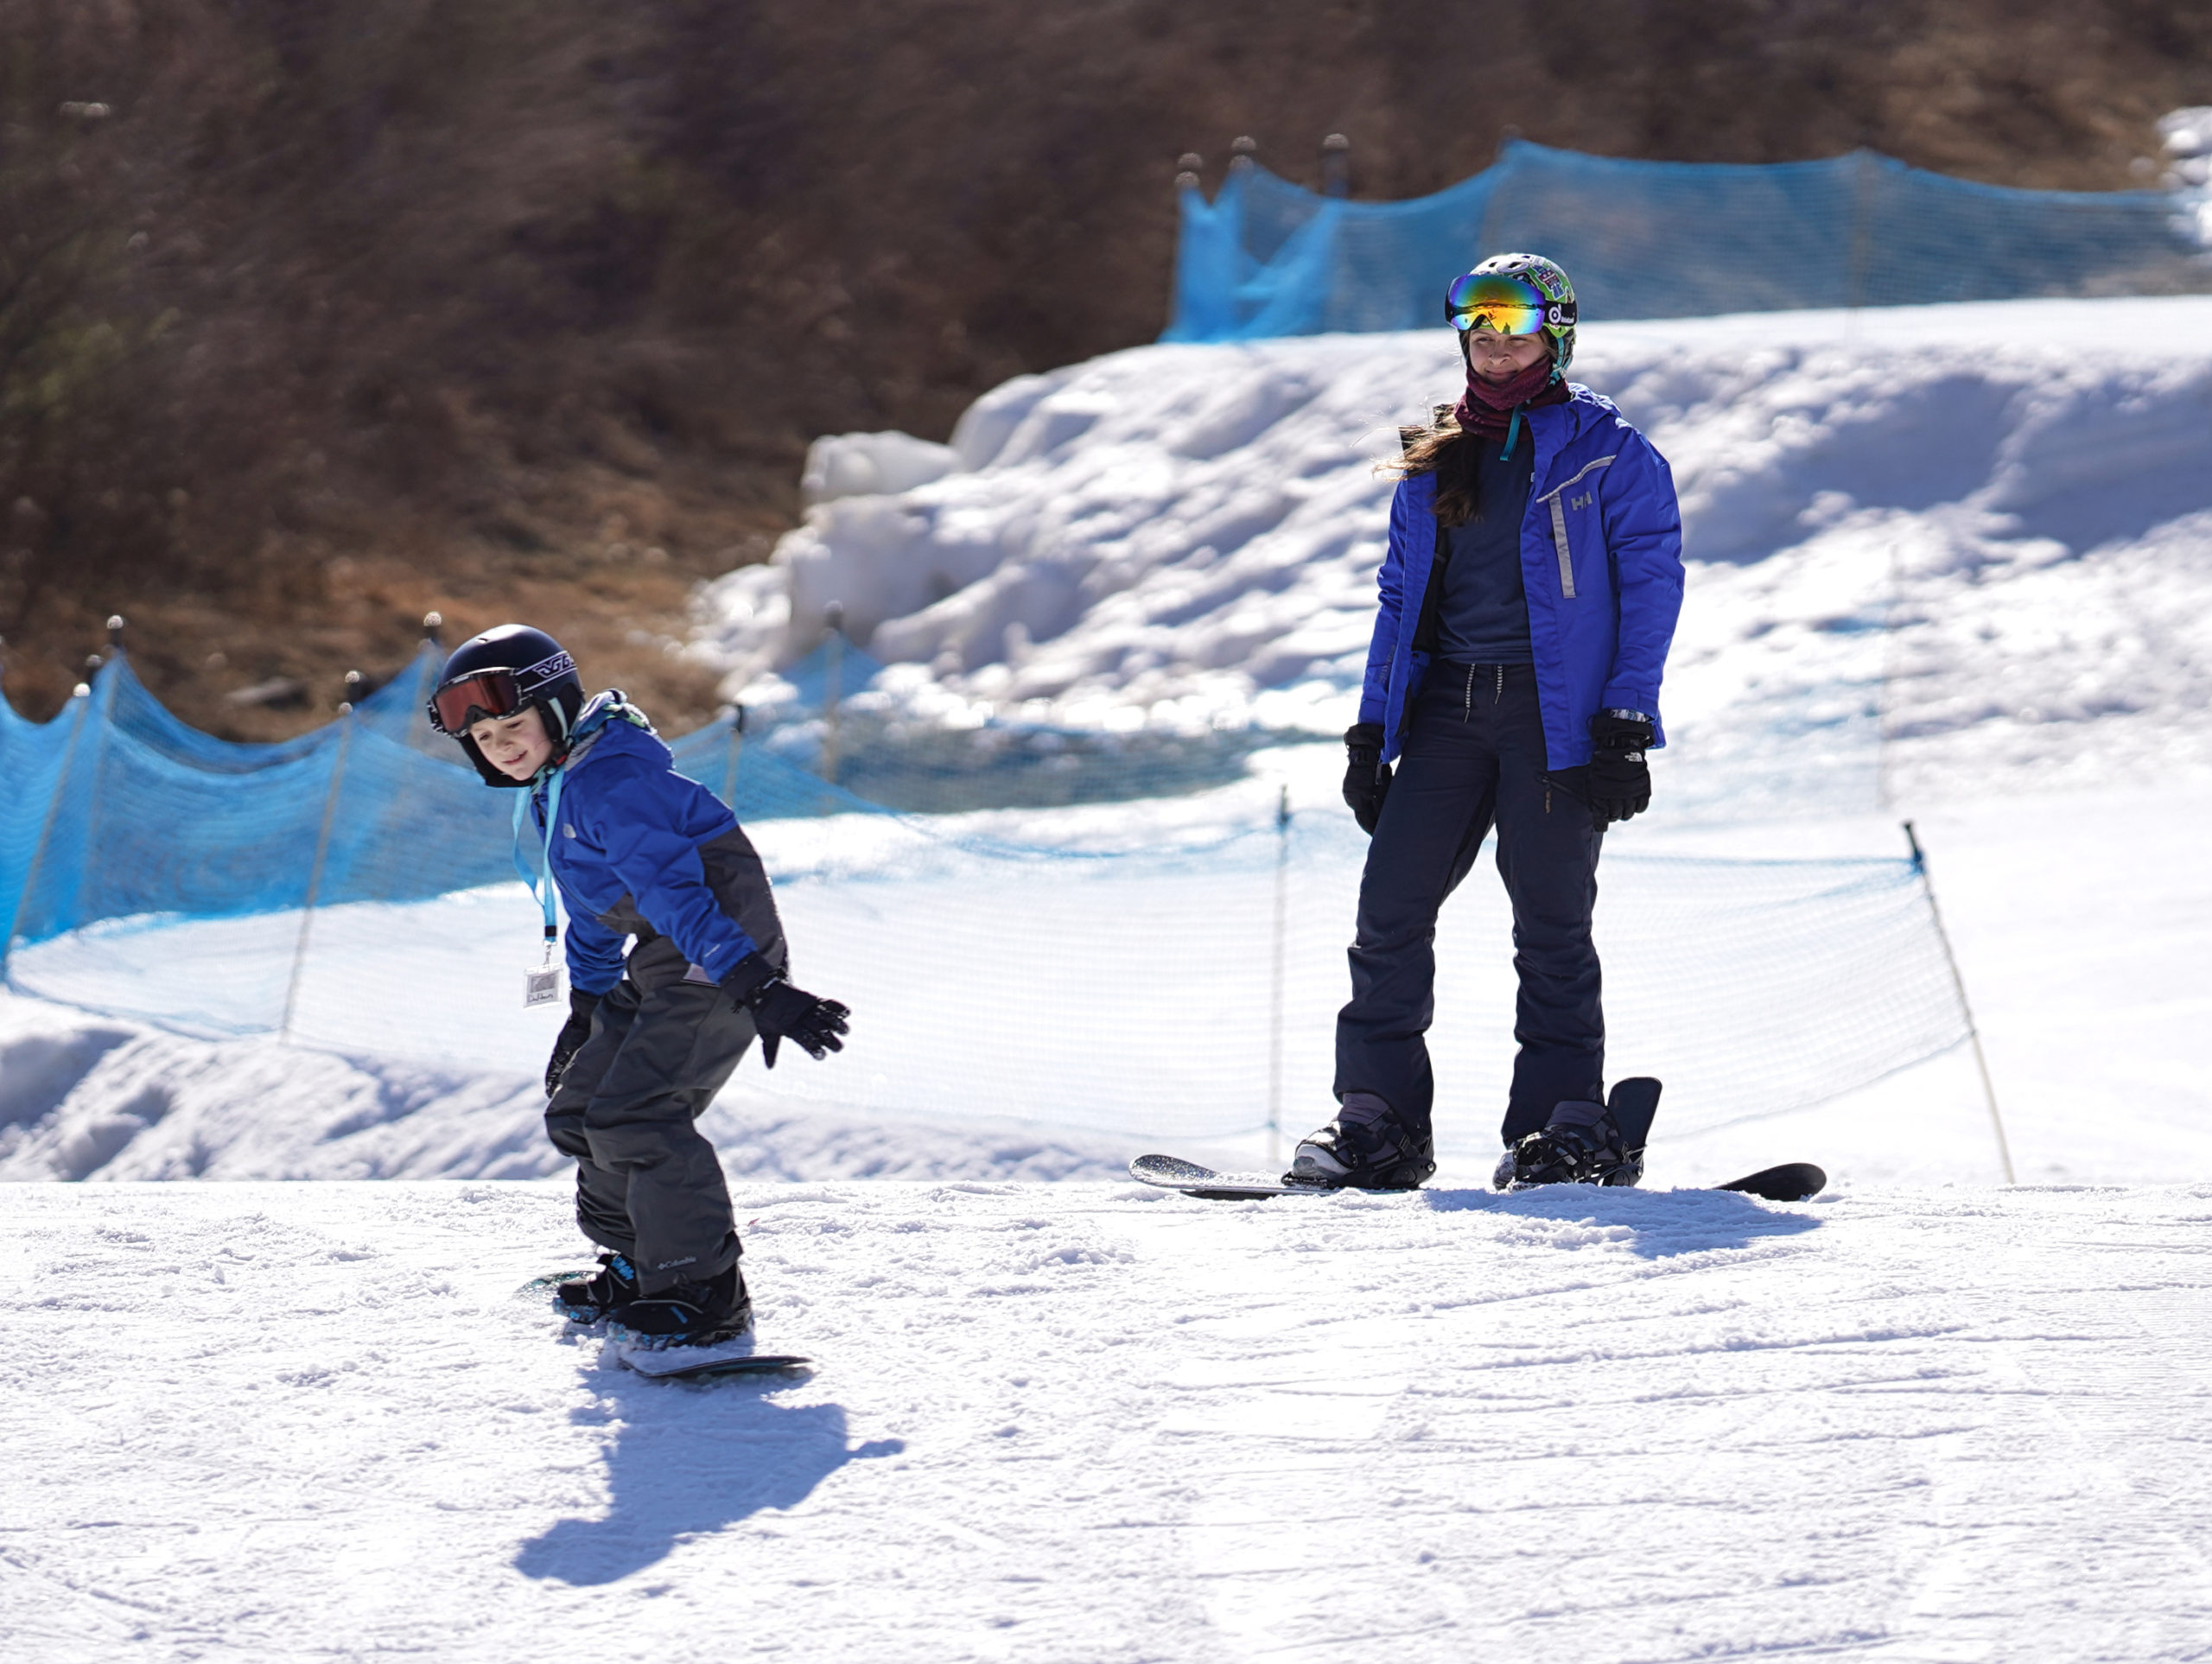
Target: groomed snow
[1096, 1423]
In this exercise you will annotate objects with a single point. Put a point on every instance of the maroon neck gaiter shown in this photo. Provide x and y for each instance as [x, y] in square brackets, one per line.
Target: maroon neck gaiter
[1487, 409]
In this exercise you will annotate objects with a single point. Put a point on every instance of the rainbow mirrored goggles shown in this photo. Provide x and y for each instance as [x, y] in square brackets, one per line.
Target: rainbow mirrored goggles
[1511, 306]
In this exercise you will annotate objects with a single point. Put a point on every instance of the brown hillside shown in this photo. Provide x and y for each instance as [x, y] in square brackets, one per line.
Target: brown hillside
[313, 318]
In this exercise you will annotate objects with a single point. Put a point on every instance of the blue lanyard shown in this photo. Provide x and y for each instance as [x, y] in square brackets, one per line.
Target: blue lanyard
[540, 882]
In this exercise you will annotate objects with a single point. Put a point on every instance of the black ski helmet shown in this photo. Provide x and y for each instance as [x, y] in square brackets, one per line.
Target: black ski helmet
[536, 668]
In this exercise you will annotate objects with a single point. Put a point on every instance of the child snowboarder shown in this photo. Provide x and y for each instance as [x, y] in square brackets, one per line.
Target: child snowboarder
[638, 852]
[1528, 598]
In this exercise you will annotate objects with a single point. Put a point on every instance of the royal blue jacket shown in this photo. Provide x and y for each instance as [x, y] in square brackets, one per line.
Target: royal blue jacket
[1601, 554]
[627, 849]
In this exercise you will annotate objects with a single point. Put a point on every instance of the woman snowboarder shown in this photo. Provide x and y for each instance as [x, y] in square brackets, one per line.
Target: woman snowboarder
[638, 852]
[1529, 597]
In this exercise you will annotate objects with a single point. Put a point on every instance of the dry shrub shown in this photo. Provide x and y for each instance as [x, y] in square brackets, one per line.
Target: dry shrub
[340, 312]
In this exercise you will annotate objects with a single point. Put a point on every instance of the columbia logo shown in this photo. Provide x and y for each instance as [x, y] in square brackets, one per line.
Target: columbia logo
[1583, 501]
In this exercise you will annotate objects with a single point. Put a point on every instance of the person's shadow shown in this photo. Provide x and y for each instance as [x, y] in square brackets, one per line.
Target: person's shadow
[688, 1461]
[1651, 1224]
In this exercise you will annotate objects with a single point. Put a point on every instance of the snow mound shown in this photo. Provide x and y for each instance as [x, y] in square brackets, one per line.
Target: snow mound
[1966, 530]
[861, 465]
[268, 1421]
[83, 1097]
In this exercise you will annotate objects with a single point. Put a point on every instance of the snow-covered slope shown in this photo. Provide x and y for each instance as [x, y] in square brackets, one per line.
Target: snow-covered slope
[1984, 531]
[1091, 1423]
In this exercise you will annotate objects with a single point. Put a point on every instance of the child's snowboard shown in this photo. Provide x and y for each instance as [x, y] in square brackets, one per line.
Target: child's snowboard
[734, 1357]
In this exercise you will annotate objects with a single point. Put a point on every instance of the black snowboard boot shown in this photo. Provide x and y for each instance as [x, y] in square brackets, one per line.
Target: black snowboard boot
[1582, 1144]
[1366, 1147]
[588, 1299]
[689, 1314]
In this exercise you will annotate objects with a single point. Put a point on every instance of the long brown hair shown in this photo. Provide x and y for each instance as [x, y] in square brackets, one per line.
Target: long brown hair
[1441, 448]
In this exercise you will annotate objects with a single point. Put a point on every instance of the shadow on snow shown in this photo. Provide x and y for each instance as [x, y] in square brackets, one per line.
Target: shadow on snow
[1661, 1224]
[688, 1460]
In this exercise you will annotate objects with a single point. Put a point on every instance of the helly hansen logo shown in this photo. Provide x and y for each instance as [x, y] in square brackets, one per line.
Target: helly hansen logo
[1583, 501]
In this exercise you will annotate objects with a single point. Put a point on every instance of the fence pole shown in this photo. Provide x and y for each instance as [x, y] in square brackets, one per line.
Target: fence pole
[83, 704]
[103, 697]
[833, 676]
[1336, 166]
[1958, 981]
[1885, 790]
[729, 763]
[1275, 978]
[314, 876]
[1862, 229]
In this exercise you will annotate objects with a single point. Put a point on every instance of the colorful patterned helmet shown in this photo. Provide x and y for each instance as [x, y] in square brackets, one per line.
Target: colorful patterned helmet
[1516, 295]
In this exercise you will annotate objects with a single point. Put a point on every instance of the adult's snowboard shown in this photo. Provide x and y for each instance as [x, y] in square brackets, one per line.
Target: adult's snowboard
[1634, 1104]
[1795, 1181]
[1173, 1173]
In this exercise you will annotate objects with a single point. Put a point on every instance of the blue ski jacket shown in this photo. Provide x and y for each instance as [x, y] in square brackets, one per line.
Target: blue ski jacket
[1601, 555]
[630, 852]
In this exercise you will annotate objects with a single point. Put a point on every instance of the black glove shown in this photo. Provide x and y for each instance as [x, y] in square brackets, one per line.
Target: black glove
[1619, 781]
[574, 1033]
[1367, 776]
[781, 1012]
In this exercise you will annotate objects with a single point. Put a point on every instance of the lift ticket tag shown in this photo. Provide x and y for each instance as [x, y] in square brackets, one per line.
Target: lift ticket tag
[541, 985]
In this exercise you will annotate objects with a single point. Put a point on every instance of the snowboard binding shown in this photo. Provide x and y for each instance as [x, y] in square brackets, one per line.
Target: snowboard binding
[1366, 1147]
[689, 1314]
[586, 1297]
[1586, 1143]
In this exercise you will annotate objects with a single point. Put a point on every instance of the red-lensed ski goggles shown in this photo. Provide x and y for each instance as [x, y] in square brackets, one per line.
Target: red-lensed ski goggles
[1511, 306]
[480, 694]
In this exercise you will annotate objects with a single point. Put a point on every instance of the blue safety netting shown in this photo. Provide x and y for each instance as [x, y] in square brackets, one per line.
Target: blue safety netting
[350, 891]
[1663, 239]
[117, 809]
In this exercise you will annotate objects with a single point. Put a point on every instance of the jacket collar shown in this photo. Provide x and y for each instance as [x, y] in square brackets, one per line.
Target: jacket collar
[592, 725]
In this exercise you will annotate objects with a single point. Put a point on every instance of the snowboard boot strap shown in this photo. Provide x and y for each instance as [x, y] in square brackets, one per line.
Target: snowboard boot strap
[588, 1299]
[689, 1314]
[1581, 1145]
[1365, 1147]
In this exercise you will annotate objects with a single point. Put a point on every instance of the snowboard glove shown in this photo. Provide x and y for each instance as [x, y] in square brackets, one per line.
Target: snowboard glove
[1367, 776]
[574, 1033]
[781, 1012]
[1619, 782]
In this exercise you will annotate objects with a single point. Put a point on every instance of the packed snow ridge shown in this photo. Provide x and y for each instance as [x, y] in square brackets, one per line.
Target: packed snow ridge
[1985, 529]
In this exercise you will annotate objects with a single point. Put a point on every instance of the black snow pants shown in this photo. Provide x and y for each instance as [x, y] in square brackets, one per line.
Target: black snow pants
[663, 1043]
[1474, 757]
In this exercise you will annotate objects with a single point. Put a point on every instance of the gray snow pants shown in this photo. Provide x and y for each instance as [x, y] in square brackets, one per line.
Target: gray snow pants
[648, 1185]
